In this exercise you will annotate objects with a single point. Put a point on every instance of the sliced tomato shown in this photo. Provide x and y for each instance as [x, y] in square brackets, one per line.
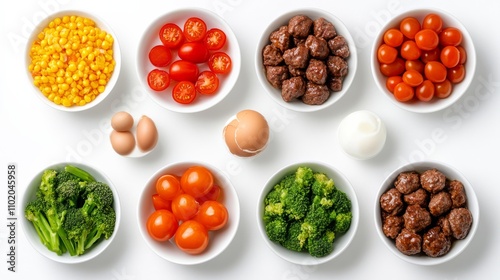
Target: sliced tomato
[158, 80]
[195, 29]
[195, 52]
[181, 70]
[215, 39]
[171, 35]
[220, 63]
[184, 92]
[160, 56]
[207, 83]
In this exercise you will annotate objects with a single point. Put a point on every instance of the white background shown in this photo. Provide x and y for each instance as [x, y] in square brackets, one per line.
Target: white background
[34, 136]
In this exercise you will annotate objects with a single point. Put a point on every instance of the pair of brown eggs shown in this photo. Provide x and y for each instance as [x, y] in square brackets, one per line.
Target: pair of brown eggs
[123, 139]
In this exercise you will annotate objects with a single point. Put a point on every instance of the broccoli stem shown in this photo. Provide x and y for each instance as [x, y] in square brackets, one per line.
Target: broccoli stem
[80, 173]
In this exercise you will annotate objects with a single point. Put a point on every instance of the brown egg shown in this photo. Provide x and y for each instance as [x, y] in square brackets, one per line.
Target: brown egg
[123, 142]
[122, 121]
[147, 134]
[246, 134]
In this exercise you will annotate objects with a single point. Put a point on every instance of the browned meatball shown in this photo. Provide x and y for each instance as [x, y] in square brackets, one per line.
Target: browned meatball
[457, 193]
[316, 72]
[315, 94]
[339, 46]
[271, 55]
[444, 223]
[407, 182]
[318, 47]
[293, 88]
[433, 180]
[440, 203]
[435, 243]
[337, 66]
[297, 57]
[408, 242]
[324, 29]
[419, 197]
[280, 38]
[276, 75]
[300, 26]
[416, 218]
[297, 72]
[391, 201]
[460, 222]
[334, 83]
[392, 226]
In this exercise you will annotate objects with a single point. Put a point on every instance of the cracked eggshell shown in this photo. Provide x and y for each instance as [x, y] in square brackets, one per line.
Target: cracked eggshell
[247, 133]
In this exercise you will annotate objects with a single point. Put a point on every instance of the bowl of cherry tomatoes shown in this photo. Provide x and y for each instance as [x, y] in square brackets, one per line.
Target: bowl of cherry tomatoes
[188, 212]
[423, 60]
[188, 60]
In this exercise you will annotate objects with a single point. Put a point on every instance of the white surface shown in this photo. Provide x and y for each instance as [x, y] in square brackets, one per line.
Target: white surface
[465, 135]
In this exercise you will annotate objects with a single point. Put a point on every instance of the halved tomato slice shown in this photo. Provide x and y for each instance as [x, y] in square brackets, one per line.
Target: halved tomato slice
[171, 35]
[220, 63]
[158, 80]
[184, 92]
[195, 29]
[207, 83]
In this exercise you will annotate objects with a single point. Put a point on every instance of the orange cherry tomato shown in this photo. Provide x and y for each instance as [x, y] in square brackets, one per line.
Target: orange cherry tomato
[392, 81]
[197, 181]
[427, 39]
[456, 74]
[412, 78]
[433, 21]
[212, 214]
[192, 237]
[409, 26]
[160, 203]
[214, 194]
[450, 36]
[393, 69]
[386, 54]
[168, 186]
[393, 37]
[463, 55]
[425, 91]
[410, 50]
[443, 90]
[403, 92]
[416, 65]
[450, 56]
[162, 225]
[435, 71]
[184, 207]
[432, 55]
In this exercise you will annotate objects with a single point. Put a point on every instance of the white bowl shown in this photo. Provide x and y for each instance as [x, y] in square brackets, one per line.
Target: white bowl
[219, 240]
[31, 233]
[341, 242]
[352, 60]
[458, 89]
[116, 56]
[458, 246]
[150, 38]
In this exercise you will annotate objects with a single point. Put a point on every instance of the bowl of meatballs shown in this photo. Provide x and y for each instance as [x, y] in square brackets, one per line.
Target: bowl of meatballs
[306, 59]
[426, 212]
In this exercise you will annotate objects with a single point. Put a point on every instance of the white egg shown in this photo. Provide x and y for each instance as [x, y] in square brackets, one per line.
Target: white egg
[362, 134]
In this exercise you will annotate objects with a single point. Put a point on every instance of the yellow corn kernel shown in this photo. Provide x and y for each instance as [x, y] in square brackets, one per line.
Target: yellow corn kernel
[100, 89]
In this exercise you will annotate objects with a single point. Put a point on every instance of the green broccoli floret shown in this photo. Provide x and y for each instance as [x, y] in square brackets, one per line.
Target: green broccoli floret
[35, 213]
[297, 198]
[63, 176]
[342, 222]
[68, 192]
[276, 230]
[294, 240]
[304, 176]
[341, 202]
[321, 245]
[98, 195]
[104, 220]
[323, 186]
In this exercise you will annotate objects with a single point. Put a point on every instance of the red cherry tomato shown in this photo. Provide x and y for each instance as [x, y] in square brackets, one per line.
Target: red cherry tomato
[195, 52]
[215, 39]
[393, 69]
[435, 71]
[456, 74]
[416, 65]
[409, 26]
[220, 63]
[450, 56]
[197, 181]
[184, 92]
[214, 194]
[427, 39]
[443, 90]
[432, 55]
[386, 54]
[160, 56]
[425, 91]
[194, 29]
[162, 225]
[160, 203]
[393, 37]
[434, 22]
[171, 35]
[158, 80]
[192, 237]
[181, 70]
[212, 214]
[207, 83]
[392, 81]
[403, 92]
[450, 36]
[463, 55]
[168, 187]
[184, 207]
[410, 51]
[412, 78]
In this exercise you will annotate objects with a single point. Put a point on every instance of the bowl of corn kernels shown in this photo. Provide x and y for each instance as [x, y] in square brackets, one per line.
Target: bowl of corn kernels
[73, 60]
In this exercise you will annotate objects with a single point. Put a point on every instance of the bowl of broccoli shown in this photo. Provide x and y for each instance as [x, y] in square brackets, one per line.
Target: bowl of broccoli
[71, 212]
[308, 213]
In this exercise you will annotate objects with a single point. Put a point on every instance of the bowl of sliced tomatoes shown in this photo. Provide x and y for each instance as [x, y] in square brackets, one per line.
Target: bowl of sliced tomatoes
[188, 212]
[188, 60]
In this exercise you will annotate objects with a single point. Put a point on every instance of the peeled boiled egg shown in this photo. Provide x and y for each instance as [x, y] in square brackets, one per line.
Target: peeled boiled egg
[246, 134]
[147, 134]
[122, 121]
[123, 142]
[362, 134]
